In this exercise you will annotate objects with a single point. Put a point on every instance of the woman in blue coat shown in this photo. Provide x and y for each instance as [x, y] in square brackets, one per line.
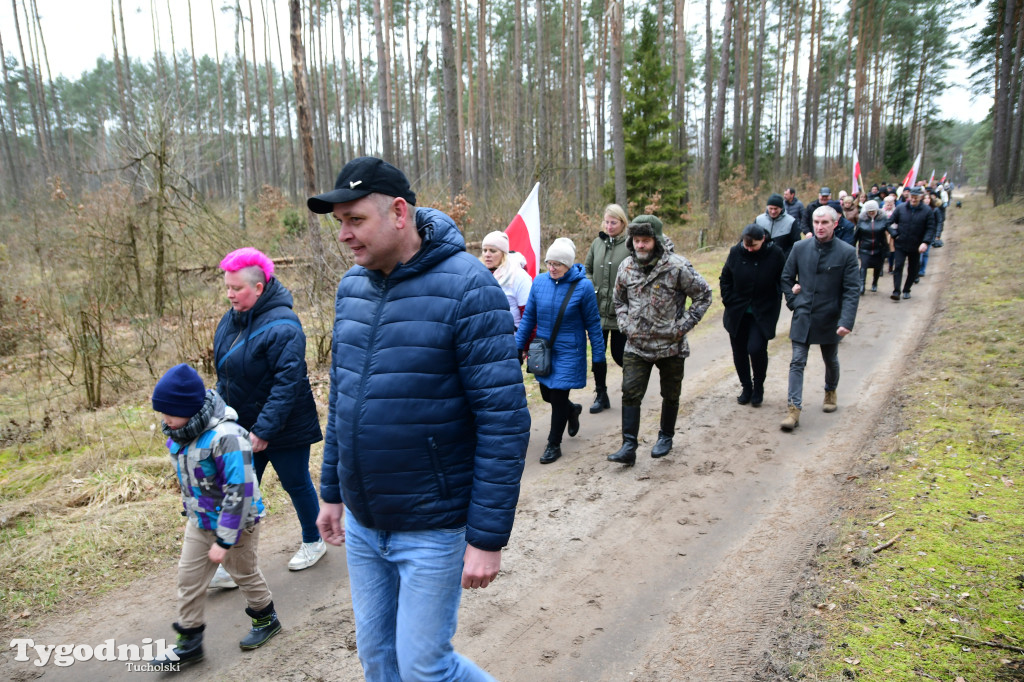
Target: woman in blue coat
[569, 349]
[260, 351]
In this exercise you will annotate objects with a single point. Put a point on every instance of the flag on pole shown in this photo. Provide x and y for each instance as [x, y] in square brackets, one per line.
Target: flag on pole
[858, 181]
[932, 178]
[524, 232]
[912, 175]
[943, 180]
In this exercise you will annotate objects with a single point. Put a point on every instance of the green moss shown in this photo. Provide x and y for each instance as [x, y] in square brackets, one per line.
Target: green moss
[956, 569]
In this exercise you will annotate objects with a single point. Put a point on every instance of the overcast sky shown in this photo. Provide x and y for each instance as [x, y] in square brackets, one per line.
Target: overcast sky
[78, 31]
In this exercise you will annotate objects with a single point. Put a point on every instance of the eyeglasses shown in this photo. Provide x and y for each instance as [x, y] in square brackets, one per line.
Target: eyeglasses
[554, 265]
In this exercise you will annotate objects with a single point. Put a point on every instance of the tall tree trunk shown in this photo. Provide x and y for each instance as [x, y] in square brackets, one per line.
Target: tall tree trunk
[223, 176]
[128, 64]
[293, 175]
[792, 160]
[997, 183]
[709, 57]
[618, 134]
[542, 142]
[716, 141]
[44, 154]
[451, 105]
[484, 139]
[413, 102]
[305, 121]
[758, 93]
[197, 143]
[387, 135]
[239, 116]
[275, 168]
[679, 110]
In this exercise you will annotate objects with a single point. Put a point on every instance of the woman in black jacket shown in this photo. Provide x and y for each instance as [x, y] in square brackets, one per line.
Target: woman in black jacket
[260, 351]
[752, 297]
[872, 243]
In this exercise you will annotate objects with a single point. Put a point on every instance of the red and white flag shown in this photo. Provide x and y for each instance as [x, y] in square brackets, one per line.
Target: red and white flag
[857, 180]
[943, 180]
[524, 231]
[912, 175]
[932, 178]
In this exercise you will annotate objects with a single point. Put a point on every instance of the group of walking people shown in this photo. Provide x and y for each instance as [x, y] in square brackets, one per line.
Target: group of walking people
[428, 424]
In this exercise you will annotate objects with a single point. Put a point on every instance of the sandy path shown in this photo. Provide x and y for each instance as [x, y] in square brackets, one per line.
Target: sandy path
[675, 569]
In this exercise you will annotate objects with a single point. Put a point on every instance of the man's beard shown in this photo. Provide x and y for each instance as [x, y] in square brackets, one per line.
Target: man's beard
[644, 257]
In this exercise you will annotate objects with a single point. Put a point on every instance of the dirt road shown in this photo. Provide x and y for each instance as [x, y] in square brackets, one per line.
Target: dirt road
[676, 569]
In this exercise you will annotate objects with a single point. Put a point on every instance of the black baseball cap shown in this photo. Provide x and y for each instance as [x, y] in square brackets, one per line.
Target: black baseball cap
[360, 177]
[825, 192]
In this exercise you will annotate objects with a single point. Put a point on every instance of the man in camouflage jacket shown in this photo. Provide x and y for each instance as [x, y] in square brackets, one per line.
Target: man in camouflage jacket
[650, 307]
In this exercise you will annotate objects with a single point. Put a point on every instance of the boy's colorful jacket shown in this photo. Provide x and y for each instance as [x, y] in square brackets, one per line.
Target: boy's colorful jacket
[212, 456]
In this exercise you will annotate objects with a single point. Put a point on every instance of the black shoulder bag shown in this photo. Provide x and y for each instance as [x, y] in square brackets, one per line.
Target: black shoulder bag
[538, 357]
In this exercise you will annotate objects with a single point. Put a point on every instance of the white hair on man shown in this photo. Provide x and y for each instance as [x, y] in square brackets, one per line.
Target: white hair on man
[826, 211]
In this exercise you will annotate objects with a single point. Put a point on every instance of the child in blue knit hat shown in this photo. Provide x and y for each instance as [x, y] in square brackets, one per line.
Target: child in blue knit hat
[212, 457]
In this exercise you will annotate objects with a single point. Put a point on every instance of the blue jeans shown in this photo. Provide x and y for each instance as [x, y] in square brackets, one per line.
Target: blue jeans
[829, 353]
[292, 467]
[406, 587]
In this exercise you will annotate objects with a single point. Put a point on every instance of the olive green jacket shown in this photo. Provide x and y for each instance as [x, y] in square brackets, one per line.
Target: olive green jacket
[602, 265]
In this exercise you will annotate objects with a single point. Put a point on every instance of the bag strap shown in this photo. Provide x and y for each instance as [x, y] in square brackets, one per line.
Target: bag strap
[561, 311]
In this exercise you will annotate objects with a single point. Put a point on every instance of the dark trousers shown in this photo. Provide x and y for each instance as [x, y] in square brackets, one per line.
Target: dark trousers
[913, 262]
[829, 353]
[865, 263]
[749, 351]
[615, 341]
[560, 406]
[292, 467]
[636, 374]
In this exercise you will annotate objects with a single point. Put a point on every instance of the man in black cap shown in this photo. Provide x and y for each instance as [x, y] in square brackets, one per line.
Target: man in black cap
[782, 228]
[912, 226]
[824, 199]
[427, 424]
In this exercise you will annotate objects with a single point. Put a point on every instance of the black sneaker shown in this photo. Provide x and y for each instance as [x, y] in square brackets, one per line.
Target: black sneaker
[895, 295]
[906, 294]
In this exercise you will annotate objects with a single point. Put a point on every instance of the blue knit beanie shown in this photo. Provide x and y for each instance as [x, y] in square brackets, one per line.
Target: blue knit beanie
[180, 392]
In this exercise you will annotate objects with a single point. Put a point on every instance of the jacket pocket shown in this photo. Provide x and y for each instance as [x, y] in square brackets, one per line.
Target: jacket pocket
[435, 460]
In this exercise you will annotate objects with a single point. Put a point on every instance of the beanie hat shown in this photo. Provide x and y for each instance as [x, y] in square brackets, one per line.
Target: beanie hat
[563, 251]
[775, 200]
[496, 240]
[180, 392]
[870, 205]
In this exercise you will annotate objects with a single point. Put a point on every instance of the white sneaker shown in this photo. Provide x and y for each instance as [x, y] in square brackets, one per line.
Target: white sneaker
[309, 553]
[221, 580]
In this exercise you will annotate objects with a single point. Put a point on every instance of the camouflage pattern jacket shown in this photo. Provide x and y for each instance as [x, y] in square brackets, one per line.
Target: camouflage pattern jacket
[650, 305]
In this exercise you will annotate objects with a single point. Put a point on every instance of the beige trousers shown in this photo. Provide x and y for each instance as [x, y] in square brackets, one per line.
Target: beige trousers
[195, 571]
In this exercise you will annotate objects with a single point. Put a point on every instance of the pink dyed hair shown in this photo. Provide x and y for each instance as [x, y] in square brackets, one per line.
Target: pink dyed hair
[248, 257]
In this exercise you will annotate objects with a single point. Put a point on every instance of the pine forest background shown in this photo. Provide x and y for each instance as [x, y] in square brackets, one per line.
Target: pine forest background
[122, 188]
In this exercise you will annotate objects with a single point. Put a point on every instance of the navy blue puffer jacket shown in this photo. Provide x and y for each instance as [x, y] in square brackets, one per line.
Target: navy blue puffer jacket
[427, 425]
[569, 350]
[263, 376]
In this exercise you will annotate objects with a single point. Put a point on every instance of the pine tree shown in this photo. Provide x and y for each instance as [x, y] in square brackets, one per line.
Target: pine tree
[652, 163]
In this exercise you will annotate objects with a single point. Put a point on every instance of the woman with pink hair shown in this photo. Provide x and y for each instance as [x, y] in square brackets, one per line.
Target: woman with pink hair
[260, 353]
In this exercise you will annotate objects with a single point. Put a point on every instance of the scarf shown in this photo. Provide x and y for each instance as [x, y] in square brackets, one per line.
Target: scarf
[196, 425]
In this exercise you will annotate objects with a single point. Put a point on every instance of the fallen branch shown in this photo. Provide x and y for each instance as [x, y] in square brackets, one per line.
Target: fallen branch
[884, 518]
[997, 645]
[887, 545]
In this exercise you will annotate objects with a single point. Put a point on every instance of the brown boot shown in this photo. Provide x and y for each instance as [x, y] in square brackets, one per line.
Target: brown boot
[792, 419]
[830, 402]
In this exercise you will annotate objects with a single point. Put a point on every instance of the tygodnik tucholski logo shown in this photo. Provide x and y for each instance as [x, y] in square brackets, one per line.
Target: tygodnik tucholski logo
[136, 657]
